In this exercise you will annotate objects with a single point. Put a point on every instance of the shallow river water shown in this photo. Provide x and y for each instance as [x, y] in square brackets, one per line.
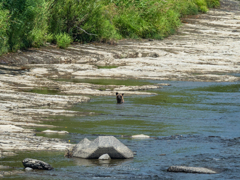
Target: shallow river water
[192, 124]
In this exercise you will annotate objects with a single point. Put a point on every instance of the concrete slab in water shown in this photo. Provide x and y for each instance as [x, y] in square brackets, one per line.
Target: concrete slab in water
[102, 145]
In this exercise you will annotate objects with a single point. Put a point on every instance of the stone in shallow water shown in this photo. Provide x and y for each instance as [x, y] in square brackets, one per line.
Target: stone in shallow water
[104, 157]
[102, 145]
[59, 132]
[28, 169]
[4, 167]
[190, 170]
[36, 164]
[140, 136]
[9, 154]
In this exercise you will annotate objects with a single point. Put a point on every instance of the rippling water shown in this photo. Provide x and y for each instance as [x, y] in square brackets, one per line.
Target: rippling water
[193, 124]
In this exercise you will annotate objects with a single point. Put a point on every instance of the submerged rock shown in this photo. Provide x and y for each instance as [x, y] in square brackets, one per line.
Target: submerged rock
[10, 173]
[190, 170]
[104, 157]
[102, 145]
[36, 164]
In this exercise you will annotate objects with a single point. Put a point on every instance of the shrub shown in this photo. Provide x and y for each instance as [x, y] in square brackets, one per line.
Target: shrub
[83, 20]
[31, 23]
[63, 40]
[28, 23]
[3, 30]
[213, 3]
[202, 5]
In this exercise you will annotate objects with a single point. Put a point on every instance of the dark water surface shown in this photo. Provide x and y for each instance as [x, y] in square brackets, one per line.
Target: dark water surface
[193, 124]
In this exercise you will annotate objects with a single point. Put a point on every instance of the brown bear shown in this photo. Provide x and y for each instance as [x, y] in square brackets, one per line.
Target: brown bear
[119, 98]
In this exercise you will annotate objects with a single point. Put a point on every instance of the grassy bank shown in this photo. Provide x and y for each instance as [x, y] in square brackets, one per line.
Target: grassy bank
[32, 23]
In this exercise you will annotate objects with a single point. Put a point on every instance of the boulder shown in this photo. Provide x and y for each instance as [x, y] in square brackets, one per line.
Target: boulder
[104, 157]
[190, 170]
[102, 145]
[36, 164]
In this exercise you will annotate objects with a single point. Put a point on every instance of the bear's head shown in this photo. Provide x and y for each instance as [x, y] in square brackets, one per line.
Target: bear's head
[119, 98]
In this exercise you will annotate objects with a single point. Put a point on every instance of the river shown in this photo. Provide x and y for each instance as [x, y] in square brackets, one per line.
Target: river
[191, 124]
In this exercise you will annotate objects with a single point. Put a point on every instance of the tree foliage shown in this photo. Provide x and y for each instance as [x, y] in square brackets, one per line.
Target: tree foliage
[31, 23]
[3, 30]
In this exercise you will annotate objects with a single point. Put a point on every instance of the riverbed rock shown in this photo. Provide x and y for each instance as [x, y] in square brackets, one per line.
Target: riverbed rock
[10, 128]
[140, 136]
[10, 173]
[36, 164]
[102, 145]
[4, 167]
[58, 132]
[28, 169]
[9, 153]
[186, 169]
[104, 157]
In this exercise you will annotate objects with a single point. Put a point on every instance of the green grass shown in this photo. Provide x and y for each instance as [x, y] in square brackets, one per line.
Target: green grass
[63, 40]
[107, 67]
[44, 91]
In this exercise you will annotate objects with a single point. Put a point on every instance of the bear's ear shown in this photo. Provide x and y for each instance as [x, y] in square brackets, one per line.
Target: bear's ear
[116, 93]
[122, 94]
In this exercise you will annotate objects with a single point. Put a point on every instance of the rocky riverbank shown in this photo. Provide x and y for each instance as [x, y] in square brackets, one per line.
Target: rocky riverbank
[206, 48]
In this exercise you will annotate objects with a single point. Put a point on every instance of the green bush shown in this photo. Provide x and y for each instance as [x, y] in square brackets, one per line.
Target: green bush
[63, 40]
[32, 23]
[213, 3]
[28, 23]
[202, 5]
[3, 30]
[83, 20]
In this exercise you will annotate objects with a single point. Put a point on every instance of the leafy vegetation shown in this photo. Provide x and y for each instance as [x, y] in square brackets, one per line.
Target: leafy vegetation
[63, 40]
[32, 23]
[3, 30]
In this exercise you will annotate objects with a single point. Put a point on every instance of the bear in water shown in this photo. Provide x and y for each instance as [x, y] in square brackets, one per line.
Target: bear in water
[119, 98]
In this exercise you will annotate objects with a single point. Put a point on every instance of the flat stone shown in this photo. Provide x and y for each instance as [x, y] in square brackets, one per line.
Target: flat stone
[28, 169]
[104, 157]
[58, 132]
[10, 128]
[102, 145]
[140, 136]
[186, 169]
[9, 154]
[36, 164]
